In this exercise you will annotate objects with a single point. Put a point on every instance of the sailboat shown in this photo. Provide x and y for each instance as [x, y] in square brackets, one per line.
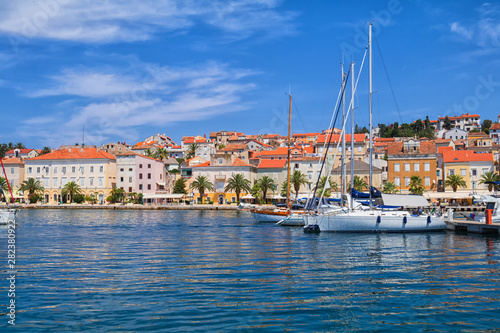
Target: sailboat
[375, 219]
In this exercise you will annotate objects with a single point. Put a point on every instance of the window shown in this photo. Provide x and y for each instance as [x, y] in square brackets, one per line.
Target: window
[407, 181]
[473, 172]
[140, 186]
[296, 165]
[397, 181]
[73, 179]
[149, 166]
[121, 179]
[416, 167]
[91, 181]
[55, 169]
[82, 181]
[140, 176]
[407, 167]
[149, 176]
[82, 169]
[101, 181]
[130, 181]
[438, 173]
[427, 181]
[233, 199]
[463, 172]
[149, 186]
[121, 169]
[11, 170]
[91, 168]
[73, 169]
[101, 168]
[54, 182]
[140, 166]
[64, 181]
[396, 167]
[129, 169]
[310, 175]
[161, 176]
[130, 189]
[451, 172]
[37, 169]
[427, 167]
[360, 149]
[46, 182]
[29, 170]
[64, 169]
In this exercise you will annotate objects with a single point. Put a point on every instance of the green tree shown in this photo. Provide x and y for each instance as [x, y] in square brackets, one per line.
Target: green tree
[284, 188]
[416, 185]
[265, 183]
[389, 188]
[455, 181]
[486, 126]
[70, 189]
[117, 194]
[162, 153]
[202, 183]
[447, 123]
[149, 153]
[359, 183]
[180, 186]
[256, 191]
[238, 183]
[32, 186]
[331, 186]
[298, 179]
[45, 150]
[192, 150]
[19, 145]
[489, 178]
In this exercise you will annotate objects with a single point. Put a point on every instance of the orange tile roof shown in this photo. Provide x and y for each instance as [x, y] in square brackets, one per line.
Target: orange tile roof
[21, 151]
[450, 156]
[240, 162]
[336, 137]
[277, 151]
[495, 126]
[279, 164]
[12, 160]
[206, 164]
[75, 154]
[396, 148]
[442, 149]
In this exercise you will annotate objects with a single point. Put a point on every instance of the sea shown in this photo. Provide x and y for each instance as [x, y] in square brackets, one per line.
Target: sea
[220, 271]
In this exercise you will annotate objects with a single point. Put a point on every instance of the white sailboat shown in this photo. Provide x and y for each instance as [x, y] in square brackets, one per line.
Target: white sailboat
[7, 215]
[374, 219]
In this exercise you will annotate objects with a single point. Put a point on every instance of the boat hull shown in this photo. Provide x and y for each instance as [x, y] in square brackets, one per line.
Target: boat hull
[375, 221]
[294, 220]
[7, 215]
[269, 216]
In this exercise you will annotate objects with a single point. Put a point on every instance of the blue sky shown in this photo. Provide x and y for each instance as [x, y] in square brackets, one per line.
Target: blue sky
[127, 69]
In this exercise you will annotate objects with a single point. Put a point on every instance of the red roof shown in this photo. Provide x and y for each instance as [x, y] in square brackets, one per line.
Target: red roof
[279, 164]
[21, 151]
[442, 149]
[12, 160]
[240, 162]
[277, 151]
[74, 154]
[450, 156]
[495, 126]
[336, 137]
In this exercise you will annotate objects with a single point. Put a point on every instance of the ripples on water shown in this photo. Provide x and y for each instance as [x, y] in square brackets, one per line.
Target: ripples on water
[211, 271]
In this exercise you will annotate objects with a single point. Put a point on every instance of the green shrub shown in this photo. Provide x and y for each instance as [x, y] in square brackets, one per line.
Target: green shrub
[78, 198]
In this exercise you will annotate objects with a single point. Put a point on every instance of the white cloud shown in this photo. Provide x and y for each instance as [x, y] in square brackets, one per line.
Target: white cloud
[103, 21]
[113, 104]
[461, 31]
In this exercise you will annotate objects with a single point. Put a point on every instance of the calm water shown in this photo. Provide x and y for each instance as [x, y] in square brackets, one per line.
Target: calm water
[218, 271]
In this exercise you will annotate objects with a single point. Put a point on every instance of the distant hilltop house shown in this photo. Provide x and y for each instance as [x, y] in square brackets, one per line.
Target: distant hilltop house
[23, 153]
[466, 122]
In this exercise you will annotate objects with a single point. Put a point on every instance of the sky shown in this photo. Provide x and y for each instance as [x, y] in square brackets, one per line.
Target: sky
[103, 71]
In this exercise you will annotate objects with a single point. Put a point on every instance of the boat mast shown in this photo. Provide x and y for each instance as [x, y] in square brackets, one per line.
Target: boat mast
[352, 135]
[370, 108]
[342, 166]
[288, 205]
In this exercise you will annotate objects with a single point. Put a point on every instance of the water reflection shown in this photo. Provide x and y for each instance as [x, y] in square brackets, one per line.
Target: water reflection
[219, 271]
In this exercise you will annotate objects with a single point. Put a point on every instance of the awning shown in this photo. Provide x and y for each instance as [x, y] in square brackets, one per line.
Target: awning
[404, 200]
[278, 197]
[161, 184]
[164, 196]
[248, 196]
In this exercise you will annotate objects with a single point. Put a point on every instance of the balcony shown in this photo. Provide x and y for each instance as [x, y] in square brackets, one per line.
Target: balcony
[220, 178]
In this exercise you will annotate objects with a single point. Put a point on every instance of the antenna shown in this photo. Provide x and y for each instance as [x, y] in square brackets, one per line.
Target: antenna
[83, 135]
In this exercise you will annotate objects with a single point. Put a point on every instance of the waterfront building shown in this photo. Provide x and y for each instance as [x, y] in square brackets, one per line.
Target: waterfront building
[360, 146]
[470, 165]
[14, 168]
[140, 174]
[93, 169]
[413, 157]
[362, 170]
[218, 170]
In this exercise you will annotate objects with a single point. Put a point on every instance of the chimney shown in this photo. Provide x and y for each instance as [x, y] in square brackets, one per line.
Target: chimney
[205, 135]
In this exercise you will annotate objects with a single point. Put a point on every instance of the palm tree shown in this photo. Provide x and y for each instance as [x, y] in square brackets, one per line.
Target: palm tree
[31, 185]
[256, 191]
[284, 188]
[162, 153]
[297, 180]
[330, 186]
[19, 145]
[455, 181]
[3, 184]
[416, 185]
[265, 183]
[389, 188]
[238, 183]
[202, 183]
[117, 194]
[359, 183]
[192, 150]
[149, 153]
[489, 177]
[71, 189]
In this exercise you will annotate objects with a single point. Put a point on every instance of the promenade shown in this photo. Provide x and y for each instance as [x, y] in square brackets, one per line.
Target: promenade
[125, 207]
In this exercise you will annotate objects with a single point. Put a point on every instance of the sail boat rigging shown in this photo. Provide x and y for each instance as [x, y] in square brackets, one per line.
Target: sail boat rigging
[372, 219]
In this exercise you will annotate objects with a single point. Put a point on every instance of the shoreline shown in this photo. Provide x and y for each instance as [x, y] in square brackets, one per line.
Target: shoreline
[123, 207]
